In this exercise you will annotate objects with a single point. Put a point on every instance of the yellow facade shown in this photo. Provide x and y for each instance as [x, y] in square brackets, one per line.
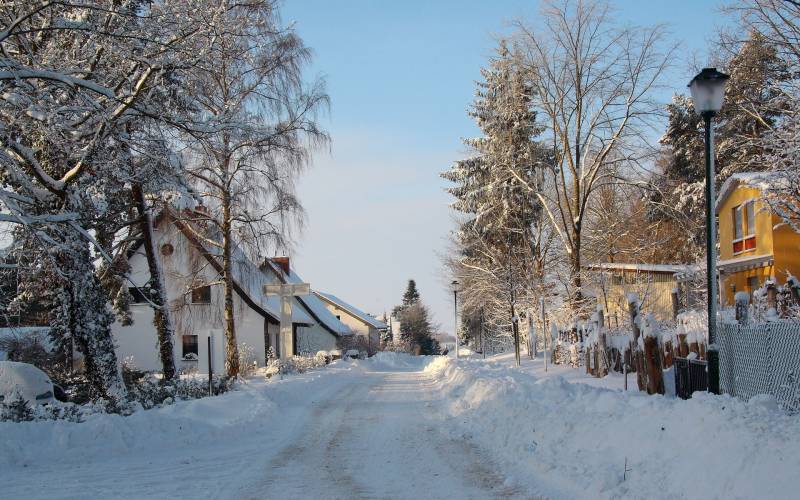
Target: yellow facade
[745, 265]
[654, 290]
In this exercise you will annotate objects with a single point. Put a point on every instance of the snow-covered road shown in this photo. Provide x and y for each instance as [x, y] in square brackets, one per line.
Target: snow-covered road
[398, 426]
[378, 438]
[366, 430]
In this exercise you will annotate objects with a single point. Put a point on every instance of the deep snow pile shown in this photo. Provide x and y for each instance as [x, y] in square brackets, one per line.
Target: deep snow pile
[573, 440]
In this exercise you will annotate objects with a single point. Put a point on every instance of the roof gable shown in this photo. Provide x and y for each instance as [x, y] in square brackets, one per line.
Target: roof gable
[753, 180]
[353, 311]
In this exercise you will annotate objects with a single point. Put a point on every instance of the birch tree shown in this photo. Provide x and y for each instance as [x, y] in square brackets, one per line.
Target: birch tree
[255, 126]
[591, 83]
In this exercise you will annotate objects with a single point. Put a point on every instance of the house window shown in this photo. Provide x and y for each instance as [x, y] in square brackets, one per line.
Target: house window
[744, 227]
[137, 294]
[752, 283]
[190, 351]
[737, 223]
[201, 295]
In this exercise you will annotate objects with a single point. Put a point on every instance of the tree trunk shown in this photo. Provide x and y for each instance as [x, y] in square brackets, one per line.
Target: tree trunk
[231, 348]
[576, 296]
[162, 319]
[515, 330]
[92, 326]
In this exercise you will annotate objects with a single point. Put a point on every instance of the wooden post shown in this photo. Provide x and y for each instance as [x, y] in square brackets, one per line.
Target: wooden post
[636, 354]
[675, 303]
[683, 346]
[668, 354]
[655, 382]
[604, 359]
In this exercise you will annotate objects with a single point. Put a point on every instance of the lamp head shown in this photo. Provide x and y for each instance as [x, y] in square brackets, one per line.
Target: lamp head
[708, 91]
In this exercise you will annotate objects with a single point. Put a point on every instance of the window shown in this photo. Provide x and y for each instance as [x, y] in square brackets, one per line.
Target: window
[737, 223]
[137, 294]
[167, 249]
[201, 295]
[744, 227]
[750, 218]
[752, 283]
[190, 351]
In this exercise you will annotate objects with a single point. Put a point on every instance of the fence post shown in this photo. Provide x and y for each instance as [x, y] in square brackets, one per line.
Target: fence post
[675, 303]
[742, 300]
[652, 357]
[638, 361]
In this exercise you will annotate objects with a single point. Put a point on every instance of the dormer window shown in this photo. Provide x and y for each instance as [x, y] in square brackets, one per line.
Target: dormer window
[744, 227]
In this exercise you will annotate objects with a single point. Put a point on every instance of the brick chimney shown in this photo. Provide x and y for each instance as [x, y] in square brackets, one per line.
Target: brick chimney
[283, 263]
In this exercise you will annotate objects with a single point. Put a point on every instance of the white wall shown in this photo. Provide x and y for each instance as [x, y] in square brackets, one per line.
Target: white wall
[139, 339]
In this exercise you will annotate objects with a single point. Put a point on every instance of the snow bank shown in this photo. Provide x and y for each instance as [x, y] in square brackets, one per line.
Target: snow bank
[573, 440]
[252, 407]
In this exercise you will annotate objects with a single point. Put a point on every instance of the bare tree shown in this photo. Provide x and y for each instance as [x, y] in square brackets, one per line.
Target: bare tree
[591, 83]
[256, 123]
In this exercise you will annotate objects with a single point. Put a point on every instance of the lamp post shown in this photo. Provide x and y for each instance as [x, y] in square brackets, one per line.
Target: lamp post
[455, 313]
[708, 92]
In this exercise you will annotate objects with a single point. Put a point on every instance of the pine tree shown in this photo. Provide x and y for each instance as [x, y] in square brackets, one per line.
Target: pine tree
[411, 294]
[751, 109]
[416, 329]
[500, 243]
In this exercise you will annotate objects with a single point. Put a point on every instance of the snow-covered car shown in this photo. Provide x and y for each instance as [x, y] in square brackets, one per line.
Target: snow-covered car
[26, 381]
[352, 354]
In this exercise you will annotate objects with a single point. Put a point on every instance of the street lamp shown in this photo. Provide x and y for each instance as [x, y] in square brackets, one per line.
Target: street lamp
[708, 92]
[455, 313]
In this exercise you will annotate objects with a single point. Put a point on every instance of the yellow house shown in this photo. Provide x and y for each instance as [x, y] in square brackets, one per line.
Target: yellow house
[753, 245]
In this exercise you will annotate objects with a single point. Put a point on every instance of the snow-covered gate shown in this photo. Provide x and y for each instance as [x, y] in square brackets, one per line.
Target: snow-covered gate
[761, 359]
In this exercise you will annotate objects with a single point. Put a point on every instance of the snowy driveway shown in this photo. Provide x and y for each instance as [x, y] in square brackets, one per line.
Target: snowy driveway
[362, 430]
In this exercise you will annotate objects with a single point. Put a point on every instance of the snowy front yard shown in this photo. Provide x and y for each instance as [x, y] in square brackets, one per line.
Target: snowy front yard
[401, 427]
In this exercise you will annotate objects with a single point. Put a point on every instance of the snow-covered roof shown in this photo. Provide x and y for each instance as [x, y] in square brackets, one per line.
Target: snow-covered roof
[354, 311]
[247, 277]
[252, 279]
[758, 180]
[651, 268]
[311, 302]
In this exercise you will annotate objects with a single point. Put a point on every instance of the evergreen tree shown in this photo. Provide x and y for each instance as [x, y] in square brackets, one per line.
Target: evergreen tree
[416, 329]
[500, 242]
[751, 109]
[411, 295]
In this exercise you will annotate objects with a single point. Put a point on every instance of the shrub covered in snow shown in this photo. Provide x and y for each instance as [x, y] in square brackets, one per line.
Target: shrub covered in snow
[296, 364]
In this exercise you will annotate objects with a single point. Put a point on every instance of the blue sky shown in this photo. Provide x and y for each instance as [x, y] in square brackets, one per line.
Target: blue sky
[401, 76]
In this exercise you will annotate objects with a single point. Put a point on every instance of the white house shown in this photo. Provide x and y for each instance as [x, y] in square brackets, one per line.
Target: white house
[359, 322]
[195, 294]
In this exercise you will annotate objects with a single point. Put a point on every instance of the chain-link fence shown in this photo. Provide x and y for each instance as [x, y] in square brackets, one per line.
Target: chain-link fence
[761, 359]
